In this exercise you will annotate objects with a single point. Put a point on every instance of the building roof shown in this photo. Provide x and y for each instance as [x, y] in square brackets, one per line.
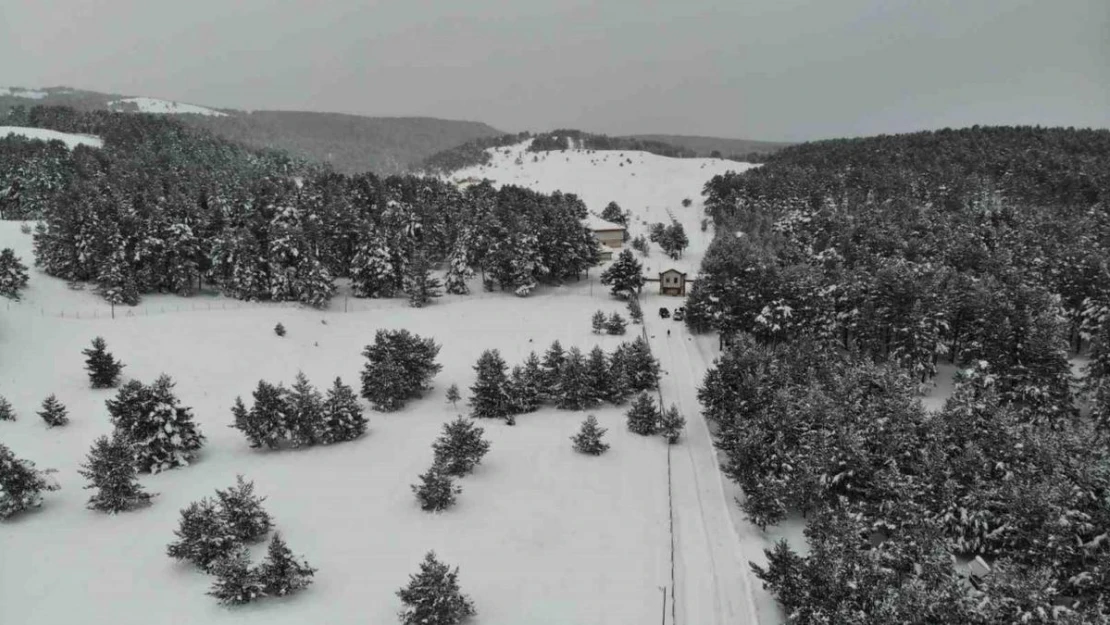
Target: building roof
[683, 273]
[597, 224]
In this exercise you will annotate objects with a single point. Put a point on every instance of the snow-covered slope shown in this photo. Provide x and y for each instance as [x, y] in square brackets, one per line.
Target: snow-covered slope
[154, 105]
[70, 139]
[30, 94]
[651, 187]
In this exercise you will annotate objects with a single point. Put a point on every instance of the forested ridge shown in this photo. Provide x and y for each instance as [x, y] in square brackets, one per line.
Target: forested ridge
[842, 273]
[166, 208]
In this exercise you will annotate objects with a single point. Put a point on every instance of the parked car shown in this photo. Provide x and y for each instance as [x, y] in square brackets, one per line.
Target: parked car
[679, 314]
[664, 313]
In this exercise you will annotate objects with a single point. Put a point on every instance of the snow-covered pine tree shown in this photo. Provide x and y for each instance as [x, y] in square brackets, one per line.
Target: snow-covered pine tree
[110, 468]
[372, 270]
[524, 393]
[453, 395]
[419, 284]
[279, 329]
[643, 416]
[642, 367]
[313, 283]
[400, 366]
[612, 212]
[534, 379]
[305, 419]
[619, 385]
[103, 368]
[241, 511]
[237, 583]
[53, 412]
[460, 447]
[671, 424]
[282, 573]
[13, 274]
[116, 281]
[615, 324]
[635, 312]
[489, 397]
[598, 322]
[266, 422]
[598, 382]
[163, 433]
[553, 360]
[433, 597]
[625, 276]
[7, 413]
[574, 384]
[588, 439]
[203, 537]
[436, 490]
[458, 269]
[21, 484]
[343, 419]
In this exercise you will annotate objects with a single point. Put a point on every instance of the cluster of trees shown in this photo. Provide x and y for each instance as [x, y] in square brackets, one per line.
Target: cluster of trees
[399, 366]
[148, 214]
[469, 154]
[612, 324]
[457, 451]
[13, 274]
[567, 378]
[214, 535]
[892, 491]
[299, 416]
[670, 237]
[645, 419]
[563, 139]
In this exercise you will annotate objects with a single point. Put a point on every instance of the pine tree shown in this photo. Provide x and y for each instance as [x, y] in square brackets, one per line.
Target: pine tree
[53, 412]
[241, 511]
[203, 537]
[460, 447]
[266, 422]
[574, 391]
[598, 322]
[21, 484]
[116, 281]
[612, 212]
[372, 272]
[619, 385]
[624, 276]
[588, 439]
[436, 491]
[553, 361]
[110, 469]
[533, 380]
[13, 274]
[489, 397]
[432, 596]
[642, 367]
[7, 413]
[419, 284]
[615, 324]
[163, 433]
[453, 395]
[282, 573]
[643, 417]
[305, 418]
[103, 368]
[635, 312]
[598, 382]
[671, 424]
[458, 270]
[399, 366]
[524, 392]
[279, 329]
[343, 418]
[236, 582]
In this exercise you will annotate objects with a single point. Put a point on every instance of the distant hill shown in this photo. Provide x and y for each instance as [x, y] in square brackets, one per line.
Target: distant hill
[348, 143]
[705, 146]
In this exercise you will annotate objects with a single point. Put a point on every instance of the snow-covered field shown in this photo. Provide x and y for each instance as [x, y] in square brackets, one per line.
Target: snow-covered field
[154, 105]
[30, 94]
[70, 139]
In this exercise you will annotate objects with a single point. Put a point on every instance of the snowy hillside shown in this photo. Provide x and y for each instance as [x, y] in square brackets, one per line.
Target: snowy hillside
[71, 140]
[30, 94]
[154, 105]
[651, 187]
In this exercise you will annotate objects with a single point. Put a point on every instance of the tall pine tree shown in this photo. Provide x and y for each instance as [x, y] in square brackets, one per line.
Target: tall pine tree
[433, 597]
[110, 469]
[103, 368]
[489, 397]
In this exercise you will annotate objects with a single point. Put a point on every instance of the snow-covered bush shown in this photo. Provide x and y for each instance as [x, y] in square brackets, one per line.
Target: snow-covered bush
[21, 484]
[110, 469]
[460, 447]
[436, 491]
[162, 431]
[433, 597]
[399, 367]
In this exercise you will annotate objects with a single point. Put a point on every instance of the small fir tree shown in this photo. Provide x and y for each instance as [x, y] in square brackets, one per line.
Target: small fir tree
[110, 468]
[643, 416]
[21, 484]
[279, 329]
[489, 397]
[588, 439]
[574, 391]
[265, 423]
[625, 276]
[236, 582]
[13, 274]
[282, 573]
[453, 395]
[553, 360]
[642, 367]
[436, 490]
[598, 322]
[671, 424]
[400, 366]
[433, 597]
[524, 392]
[615, 324]
[53, 412]
[419, 284]
[534, 379]
[306, 413]
[598, 382]
[7, 413]
[203, 537]
[162, 431]
[343, 418]
[103, 368]
[460, 447]
[241, 511]
[635, 312]
[619, 386]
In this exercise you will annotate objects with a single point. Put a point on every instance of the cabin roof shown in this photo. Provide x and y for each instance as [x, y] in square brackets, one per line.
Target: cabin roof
[597, 224]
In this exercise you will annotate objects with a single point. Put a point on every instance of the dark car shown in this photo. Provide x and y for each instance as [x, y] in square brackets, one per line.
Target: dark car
[664, 313]
[679, 314]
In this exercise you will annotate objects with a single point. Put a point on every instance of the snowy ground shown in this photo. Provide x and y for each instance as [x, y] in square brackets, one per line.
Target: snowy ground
[154, 105]
[30, 94]
[70, 139]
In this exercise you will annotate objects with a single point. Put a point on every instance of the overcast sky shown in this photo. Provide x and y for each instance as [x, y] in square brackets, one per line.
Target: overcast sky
[758, 69]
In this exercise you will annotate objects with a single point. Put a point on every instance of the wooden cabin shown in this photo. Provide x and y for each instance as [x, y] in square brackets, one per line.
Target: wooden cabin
[672, 282]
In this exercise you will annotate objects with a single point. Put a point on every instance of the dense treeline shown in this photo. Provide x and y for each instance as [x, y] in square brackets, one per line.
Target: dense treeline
[564, 139]
[842, 272]
[469, 154]
[162, 209]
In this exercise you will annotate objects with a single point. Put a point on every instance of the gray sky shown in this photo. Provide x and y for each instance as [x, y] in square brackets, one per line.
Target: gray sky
[757, 69]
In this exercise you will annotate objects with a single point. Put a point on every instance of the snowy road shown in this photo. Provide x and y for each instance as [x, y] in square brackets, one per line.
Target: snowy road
[713, 582]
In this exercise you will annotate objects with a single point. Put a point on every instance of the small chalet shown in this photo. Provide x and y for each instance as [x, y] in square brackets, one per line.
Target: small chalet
[608, 234]
[672, 282]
